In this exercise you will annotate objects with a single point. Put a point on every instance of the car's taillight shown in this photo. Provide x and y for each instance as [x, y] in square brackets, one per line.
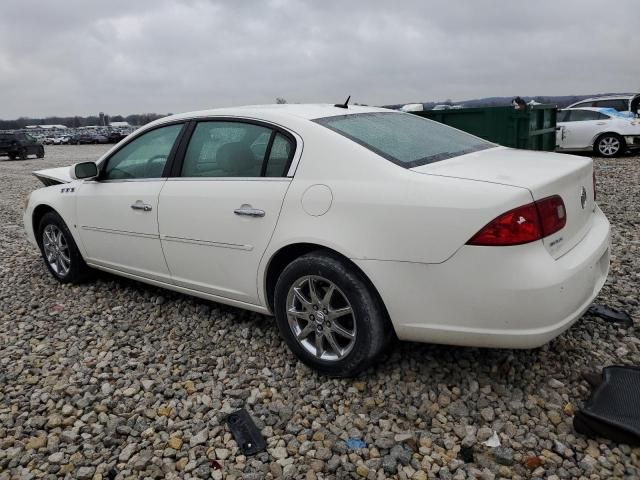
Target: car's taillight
[553, 216]
[524, 224]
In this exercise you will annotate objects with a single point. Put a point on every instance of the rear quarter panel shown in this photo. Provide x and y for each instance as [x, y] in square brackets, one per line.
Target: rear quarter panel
[381, 211]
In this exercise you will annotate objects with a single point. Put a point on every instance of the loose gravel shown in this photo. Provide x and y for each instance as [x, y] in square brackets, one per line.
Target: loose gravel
[117, 379]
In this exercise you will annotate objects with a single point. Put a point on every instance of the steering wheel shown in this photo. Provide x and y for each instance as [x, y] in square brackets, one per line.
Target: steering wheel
[149, 168]
[118, 173]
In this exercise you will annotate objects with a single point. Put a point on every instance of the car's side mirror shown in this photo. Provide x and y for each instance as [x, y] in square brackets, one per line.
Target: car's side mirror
[84, 170]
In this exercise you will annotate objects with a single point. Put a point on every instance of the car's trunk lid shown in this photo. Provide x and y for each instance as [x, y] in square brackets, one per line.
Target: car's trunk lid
[543, 174]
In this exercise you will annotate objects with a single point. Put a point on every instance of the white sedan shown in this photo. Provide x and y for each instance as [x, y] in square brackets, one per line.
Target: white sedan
[604, 131]
[352, 226]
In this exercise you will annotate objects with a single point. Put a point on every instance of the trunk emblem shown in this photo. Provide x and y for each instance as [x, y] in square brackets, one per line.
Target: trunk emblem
[583, 197]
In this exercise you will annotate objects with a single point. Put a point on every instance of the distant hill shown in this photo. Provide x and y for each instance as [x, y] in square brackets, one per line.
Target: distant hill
[559, 100]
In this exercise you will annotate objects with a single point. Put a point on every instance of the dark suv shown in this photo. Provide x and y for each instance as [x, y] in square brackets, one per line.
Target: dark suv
[20, 145]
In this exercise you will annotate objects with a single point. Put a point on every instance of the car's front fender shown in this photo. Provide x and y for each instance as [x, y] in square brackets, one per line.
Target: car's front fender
[59, 198]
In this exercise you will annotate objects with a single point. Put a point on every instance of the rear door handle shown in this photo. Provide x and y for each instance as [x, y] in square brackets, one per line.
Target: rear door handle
[141, 206]
[249, 211]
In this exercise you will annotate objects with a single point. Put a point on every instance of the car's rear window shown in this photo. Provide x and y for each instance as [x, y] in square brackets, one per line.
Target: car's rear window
[403, 138]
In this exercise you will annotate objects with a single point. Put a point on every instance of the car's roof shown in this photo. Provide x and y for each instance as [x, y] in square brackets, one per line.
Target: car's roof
[608, 97]
[276, 112]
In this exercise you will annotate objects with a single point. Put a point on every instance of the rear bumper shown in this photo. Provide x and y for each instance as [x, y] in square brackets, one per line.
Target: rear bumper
[502, 297]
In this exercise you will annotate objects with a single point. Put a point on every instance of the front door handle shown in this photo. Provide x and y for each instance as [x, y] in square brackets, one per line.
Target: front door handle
[249, 211]
[141, 206]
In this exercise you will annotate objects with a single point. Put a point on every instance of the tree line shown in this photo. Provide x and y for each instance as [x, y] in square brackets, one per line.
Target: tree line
[77, 121]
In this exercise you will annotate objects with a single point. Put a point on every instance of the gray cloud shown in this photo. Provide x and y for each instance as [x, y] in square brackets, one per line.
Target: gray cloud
[79, 57]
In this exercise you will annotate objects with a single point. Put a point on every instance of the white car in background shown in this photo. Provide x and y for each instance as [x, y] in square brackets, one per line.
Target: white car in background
[351, 224]
[604, 131]
[622, 103]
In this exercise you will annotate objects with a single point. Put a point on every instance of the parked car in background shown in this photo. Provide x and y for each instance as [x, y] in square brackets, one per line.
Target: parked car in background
[90, 137]
[621, 103]
[384, 224]
[20, 145]
[412, 107]
[115, 137]
[605, 131]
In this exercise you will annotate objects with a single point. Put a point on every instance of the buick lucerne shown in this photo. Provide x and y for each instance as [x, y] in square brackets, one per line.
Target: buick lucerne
[353, 226]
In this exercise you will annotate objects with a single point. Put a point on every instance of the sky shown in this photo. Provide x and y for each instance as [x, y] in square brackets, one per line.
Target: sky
[78, 57]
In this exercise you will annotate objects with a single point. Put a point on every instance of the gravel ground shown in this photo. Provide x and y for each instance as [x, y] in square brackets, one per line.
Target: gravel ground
[116, 379]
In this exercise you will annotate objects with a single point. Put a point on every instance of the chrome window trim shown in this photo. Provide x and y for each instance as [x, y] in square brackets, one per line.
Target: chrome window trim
[121, 180]
[229, 179]
[200, 118]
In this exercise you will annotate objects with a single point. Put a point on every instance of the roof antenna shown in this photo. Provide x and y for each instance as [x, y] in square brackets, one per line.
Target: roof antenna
[345, 104]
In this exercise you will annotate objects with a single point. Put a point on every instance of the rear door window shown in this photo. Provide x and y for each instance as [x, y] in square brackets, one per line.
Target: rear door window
[226, 149]
[583, 115]
[282, 150]
[220, 148]
[620, 104]
[583, 104]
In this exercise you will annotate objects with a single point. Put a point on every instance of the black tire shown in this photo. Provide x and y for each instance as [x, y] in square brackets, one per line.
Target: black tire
[12, 156]
[23, 154]
[78, 271]
[373, 330]
[606, 144]
[40, 153]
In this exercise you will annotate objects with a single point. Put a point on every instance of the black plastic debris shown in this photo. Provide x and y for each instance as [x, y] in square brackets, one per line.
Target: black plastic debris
[466, 454]
[246, 433]
[613, 409]
[610, 314]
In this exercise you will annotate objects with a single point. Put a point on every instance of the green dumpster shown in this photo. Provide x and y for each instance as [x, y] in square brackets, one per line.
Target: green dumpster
[533, 128]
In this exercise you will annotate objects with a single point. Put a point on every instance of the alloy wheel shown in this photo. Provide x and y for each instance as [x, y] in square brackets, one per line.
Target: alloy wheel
[56, 250]
[609, 146]
[321, 318]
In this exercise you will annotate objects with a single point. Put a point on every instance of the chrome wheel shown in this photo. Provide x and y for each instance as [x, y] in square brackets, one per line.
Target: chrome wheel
[321, 318]
[56, 250]
[609, 146]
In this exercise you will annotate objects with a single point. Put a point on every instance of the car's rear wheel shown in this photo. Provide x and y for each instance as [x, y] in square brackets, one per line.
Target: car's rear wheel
[59, 250]
[610, 145]
[40, 153]
[329, 315]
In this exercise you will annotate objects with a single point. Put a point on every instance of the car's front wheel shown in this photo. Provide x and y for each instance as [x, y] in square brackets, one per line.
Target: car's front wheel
[610, 145]
[59, 250]
[40, 153]
[329, 315]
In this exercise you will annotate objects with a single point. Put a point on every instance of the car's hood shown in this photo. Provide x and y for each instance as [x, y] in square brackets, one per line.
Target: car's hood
[54, 176]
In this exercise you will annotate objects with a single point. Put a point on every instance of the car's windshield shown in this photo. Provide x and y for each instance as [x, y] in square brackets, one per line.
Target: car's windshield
[403, 138]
